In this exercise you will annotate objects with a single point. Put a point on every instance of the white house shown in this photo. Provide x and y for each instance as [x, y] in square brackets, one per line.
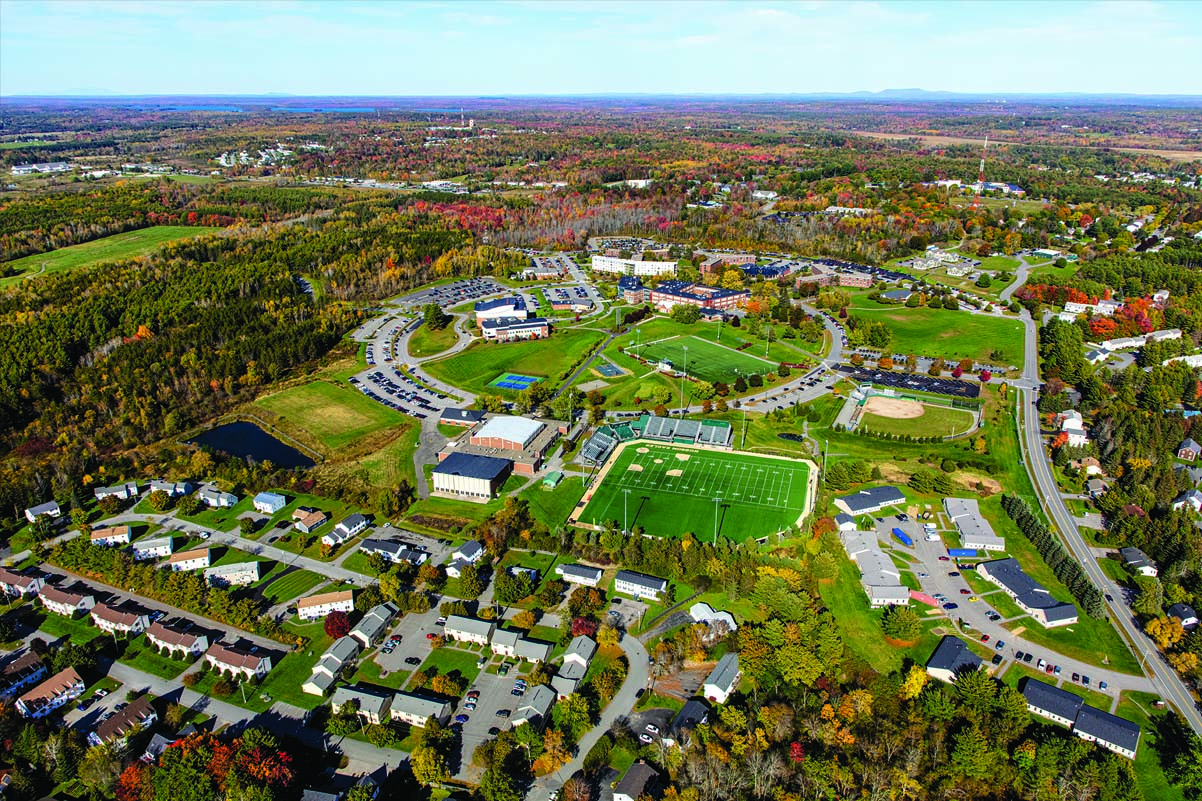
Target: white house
[18, 585]
[469, 552]
[1073, 425]
[330, 666]
[196, 559]
[158, 548]
[579, 574]
[416, 709]
[722, 680]
[352, 525]
[50, 509]
[238, 574]
[513, 644]
[173, 489]
[216, 499]
[269, 503]
[374, 624]
[65, 602]
[190, 642]
[238, 661]
[123, 491]
[627, 582]
[318, 606]
[335, 537]
[469, 629]
[950, 658]
[371, 704]
[535, 708]
[108, 537]
[1191, 499]
[61, 688]
[112, 620]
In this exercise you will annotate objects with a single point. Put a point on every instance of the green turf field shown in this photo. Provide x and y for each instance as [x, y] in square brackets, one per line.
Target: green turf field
[425, 342]
[705, 360]
[472, 369]
[334, 415]
[110, 248]
[951, 335]
[936, 421]
[758, 495]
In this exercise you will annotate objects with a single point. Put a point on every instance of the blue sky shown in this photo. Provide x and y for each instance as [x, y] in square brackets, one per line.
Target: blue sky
[545, 47]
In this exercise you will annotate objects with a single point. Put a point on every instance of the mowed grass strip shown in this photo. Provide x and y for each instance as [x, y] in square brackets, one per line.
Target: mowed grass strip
[481, 362]
[758, 495]
[952, 335]
[110, 248]
[706, 360]
[334, 415]
[292, 585]
[935, 421]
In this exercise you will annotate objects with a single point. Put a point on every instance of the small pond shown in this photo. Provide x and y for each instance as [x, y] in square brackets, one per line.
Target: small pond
[247, 440]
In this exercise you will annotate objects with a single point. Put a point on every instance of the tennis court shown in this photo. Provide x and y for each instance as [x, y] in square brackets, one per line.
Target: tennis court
[705, 360]
[607, 370]
[670, 491]
[515, 381]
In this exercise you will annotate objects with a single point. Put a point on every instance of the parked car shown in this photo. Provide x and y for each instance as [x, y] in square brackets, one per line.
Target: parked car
[1027, 659]
[1102, 685]
[651, 727]
[1057, 670]
[949, 607]
[1085, 680]
[1018, 656]
[462, 718]
[646, 738]
[431, 636]
[503, 713]
[965, 592]
[984, 638]
[1076, 677]
[997, 659]
[412, 660]
[1000, 645]
[493, 731]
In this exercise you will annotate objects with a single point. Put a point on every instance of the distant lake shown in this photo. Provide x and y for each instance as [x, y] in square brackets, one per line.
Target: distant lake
[247, 440]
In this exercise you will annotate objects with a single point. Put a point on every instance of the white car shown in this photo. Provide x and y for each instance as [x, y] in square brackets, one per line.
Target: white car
[646, 738]
[651, 727]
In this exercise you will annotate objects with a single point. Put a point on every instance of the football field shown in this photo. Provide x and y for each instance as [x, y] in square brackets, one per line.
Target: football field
[670, 491]
[705, 360]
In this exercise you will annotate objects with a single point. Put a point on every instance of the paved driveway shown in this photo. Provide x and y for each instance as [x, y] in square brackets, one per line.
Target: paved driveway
[495, 694]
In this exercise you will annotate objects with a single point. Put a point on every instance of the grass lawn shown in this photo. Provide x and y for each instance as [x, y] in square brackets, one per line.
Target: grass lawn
[139, 654]
[669, 496]
[426, 342]
[472, 369]
[110, 248]
[370, 673]
[1137, 708]
[947, 334]
[705, 360]
[336, 415]
[552, 507]
[620, 759]
[292, 585]
[79, 630]
[449, 659]
[386, 466]
[938, 421]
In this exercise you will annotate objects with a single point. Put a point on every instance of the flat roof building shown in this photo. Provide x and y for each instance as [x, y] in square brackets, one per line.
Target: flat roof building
[470, 476]
[975, 531]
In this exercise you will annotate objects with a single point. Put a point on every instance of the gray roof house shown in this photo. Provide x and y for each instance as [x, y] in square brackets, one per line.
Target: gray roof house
[371, 703]
[1107, 730]
[870, 500]
[950, 658]
[469, 629]
[535, 708]
[374, 624]
[579, 574]
[723, 679]
[1051, 702]
[639, 780]
[1031, 596]
[1186, 614]
[1138, 561]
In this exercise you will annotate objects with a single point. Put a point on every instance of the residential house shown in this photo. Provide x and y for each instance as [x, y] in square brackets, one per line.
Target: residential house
[374, 624]
[1096, 487]
[720, 621]
[50, 509]
[108, 537]
[138, 714]
[18, 672]
[352, 525]
[845, 522]
[1107, 730]
[238, 574]
[1051, 702]
[216, 499]
[316, 607]
[1072, 426]
[468, 553]
[1032, 597]
[535, 707]
[694, 713]
[628, 582]
[336, 537]
[513, 644]
[394, 551]
[190, 642]
[123, 491]
[951, 658]
[1194, 474]
[268, 503]
[155, 748]
[416, 709]
[19, 585]
[1089, 465]
[174, 489]
[722, 680]
[1190, 499]
[1138, 561]
[66, 602]
[639, 782]
[60, 689]
[1186, 614]
[576, 660]
[196, 559]
[157, 548]
[113, 620]
[309, 520]
[341, 653]
[871, 500]
[579, 574]
[249, 663]
[469, 629]
[371, 704]
[1187, 451]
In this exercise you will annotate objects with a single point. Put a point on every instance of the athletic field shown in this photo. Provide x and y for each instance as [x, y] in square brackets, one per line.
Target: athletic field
[706, 360]
[672, 492]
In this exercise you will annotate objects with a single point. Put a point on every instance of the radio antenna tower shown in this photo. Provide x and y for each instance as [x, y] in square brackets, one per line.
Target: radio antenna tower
[976, 200]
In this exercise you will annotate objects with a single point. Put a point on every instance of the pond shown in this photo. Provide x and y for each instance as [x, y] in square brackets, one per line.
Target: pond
[247, 440]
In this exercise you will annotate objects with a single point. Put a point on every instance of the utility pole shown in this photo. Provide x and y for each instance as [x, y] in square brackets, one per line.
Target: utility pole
[682, 375]
[625, 513]
[744, 445]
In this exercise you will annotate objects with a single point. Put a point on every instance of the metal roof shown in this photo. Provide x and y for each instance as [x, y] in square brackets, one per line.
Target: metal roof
[1052, 699]
[952, 655]
[1107, 727]
[471, 465]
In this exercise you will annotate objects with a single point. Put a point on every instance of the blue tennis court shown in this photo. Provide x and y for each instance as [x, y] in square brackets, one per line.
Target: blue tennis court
[514, 381]
[608, 370]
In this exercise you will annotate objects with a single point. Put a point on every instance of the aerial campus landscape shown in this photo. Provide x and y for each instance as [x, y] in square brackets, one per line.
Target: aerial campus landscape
[537, 429]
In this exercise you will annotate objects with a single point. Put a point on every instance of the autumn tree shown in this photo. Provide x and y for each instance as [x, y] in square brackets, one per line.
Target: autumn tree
[337, 624]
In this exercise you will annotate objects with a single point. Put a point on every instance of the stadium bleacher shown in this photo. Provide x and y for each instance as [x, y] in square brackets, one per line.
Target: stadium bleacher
[599, 447]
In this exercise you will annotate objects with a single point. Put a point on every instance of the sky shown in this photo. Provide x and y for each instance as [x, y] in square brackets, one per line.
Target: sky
[534, 47]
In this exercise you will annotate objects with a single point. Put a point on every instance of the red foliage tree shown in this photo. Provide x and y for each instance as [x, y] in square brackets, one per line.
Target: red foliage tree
[337, 624]
[957, 373]
[986, 376]
[131, 782]
[796, 752]
[584, 626]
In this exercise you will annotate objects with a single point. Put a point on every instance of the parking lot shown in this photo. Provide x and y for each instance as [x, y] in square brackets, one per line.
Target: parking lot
[453, 294]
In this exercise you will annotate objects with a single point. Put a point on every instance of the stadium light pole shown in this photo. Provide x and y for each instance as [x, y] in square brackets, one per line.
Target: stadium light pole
[682, 375]
[625, 513]
[717, 506]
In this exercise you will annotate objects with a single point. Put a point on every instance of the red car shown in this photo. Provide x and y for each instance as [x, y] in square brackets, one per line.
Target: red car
[431, 636]
[984, 638]
[945, 559]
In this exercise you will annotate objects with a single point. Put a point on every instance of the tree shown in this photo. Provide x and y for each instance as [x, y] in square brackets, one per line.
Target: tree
[976, 689]
[901, 623]
[434, 317]
[1165, 631]
[686, 314]
[971, 754]
[429, 765]
[159, 501]
[246, 525]
[471, 581]
[337, 624]
[100, 769]
[524, 620]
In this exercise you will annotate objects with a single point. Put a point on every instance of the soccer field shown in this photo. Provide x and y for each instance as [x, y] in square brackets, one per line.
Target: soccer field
[672, 492]
[706, 360]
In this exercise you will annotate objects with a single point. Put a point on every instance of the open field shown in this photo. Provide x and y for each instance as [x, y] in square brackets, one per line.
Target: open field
[928, 139]
[110, 248]
[672, 492]
[914, 419]
[481, 362]
[426, 342]
[335, 415]
[292, 585]
[705, 360]
[952, 335]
